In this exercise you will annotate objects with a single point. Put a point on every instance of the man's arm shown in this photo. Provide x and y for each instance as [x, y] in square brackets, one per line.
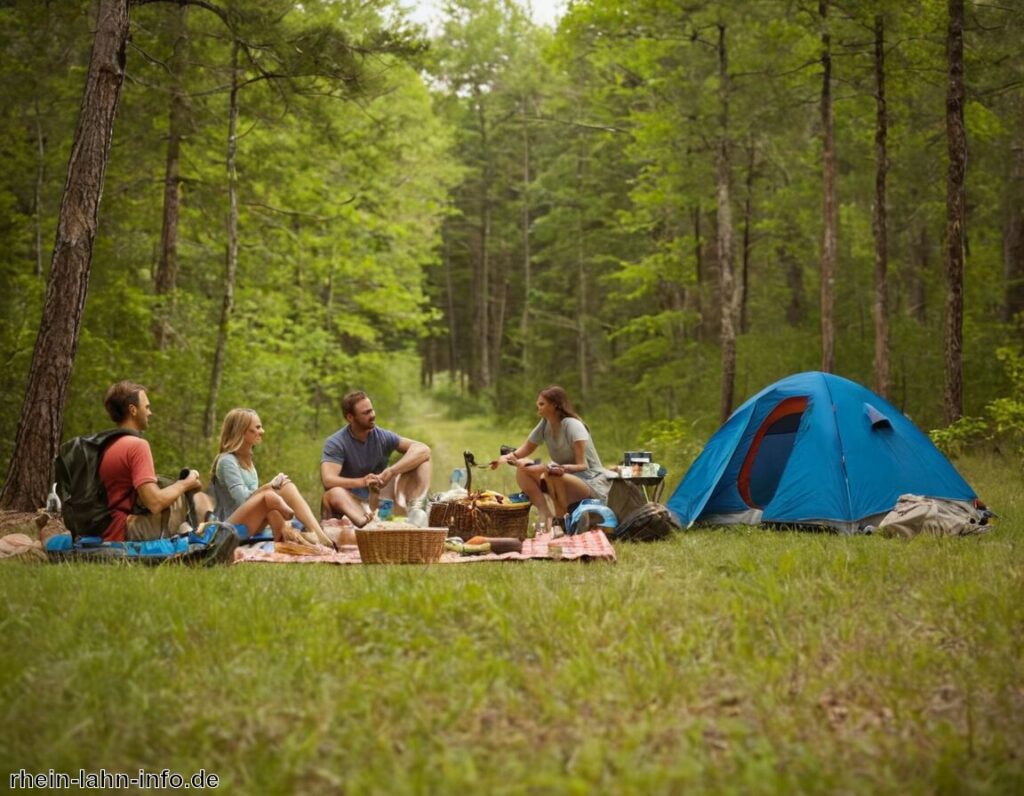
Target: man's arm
[330, 477]
[413, 455]
[156, 499]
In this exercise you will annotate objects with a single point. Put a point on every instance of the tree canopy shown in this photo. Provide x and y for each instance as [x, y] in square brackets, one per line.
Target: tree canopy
[630, 204]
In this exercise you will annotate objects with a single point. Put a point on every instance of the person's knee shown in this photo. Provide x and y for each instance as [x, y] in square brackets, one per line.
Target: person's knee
[274, 502]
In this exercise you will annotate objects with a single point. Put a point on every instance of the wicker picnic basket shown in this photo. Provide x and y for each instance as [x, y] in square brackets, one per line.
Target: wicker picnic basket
[400, 545]
[483, 519]
[438, 517]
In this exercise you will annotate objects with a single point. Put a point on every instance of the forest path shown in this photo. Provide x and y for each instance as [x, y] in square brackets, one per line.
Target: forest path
[448, 436]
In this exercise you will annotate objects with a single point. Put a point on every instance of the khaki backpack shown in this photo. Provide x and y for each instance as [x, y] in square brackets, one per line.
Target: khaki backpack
[915, 515]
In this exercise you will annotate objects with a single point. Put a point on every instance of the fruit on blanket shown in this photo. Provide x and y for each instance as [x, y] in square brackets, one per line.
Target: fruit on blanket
[487, 498]
[478, 540]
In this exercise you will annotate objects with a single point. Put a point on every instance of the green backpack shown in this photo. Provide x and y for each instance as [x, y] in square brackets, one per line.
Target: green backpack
[79, 487]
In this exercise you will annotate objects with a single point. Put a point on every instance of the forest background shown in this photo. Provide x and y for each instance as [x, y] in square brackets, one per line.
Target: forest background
[662, 206]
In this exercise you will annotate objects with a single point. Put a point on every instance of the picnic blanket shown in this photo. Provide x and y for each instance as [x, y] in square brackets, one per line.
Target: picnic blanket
[591, 546]
[19, 545]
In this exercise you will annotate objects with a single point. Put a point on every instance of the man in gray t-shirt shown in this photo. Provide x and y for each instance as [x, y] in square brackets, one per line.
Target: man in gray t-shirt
[355, 461]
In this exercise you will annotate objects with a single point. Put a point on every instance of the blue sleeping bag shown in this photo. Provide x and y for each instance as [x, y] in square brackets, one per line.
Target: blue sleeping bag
[212, 543]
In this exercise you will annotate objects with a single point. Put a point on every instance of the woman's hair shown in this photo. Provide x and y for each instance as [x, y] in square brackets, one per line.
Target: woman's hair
[232, 434]
[560, 399]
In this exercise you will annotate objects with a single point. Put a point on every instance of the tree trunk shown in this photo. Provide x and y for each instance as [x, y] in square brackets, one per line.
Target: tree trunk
[231, 262]
[728, 290]
[499, 326]
[956, 138]
[794, 281]
[695, 295]
[167, 270]
[320, 396]
[454, 365]
[582, 302]
[524, 322]
[748, 201]
[1013, 242]
[41, 423]
[37, 193]
[482, 276]
[880, 222]
[831, 222]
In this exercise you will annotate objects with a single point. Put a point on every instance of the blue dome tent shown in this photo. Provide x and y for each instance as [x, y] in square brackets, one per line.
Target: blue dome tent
[813, 449]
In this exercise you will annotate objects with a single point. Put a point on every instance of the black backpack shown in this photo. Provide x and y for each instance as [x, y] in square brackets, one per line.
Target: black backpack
[82, 494]
[648, 523]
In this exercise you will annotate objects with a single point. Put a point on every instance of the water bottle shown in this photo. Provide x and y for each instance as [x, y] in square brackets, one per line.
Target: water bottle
[418, 513]
[458, 478]
[53, 502]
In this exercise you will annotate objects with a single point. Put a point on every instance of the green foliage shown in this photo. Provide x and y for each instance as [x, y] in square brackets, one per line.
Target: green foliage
[957, 437]
[1004, 416]
[673, 443]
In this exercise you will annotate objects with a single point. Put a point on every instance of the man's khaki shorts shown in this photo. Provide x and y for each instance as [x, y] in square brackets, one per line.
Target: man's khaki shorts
[142, 527]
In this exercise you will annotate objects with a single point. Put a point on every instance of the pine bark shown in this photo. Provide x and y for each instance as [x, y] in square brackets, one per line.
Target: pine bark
[177, 119]
[794, 269]
[482, 275]
[41, 423]
[748, 219]
[37, 193]
[231, 259]
[882, 385]
[695, 298]
[956, 139]
[524, 322]
[830, 207]
[455, 366]
[725, 245]
[1013, 243]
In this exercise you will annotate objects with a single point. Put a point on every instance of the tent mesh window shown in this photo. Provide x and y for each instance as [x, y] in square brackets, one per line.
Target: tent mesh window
[769, 452]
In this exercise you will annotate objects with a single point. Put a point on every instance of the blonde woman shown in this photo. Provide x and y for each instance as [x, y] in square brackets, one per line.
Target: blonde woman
[236, 486]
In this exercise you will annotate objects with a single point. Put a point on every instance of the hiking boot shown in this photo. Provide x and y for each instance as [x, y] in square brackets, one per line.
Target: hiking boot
[221, 548]
[211, 544]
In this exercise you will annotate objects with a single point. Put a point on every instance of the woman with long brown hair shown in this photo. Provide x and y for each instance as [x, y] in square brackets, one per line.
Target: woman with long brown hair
[574, 472]
[236, 485]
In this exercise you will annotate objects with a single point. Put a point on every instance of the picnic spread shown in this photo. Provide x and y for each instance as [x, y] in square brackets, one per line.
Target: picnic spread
[589, 546]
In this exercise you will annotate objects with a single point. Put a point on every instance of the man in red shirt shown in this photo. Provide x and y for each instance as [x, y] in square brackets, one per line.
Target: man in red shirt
[129, 476]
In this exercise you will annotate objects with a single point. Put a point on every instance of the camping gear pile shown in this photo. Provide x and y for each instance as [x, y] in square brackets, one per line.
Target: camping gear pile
[915, 515]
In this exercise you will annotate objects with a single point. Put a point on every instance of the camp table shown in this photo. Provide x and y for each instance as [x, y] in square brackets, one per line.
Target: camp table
[652, 485]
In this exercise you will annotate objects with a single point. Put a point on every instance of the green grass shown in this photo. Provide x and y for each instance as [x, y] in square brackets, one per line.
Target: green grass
[722, 660]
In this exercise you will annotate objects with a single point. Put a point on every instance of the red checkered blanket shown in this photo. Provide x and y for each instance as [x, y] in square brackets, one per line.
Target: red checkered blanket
[584, 547]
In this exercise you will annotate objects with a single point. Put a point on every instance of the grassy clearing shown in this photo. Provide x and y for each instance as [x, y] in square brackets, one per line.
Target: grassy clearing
[722, 660]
